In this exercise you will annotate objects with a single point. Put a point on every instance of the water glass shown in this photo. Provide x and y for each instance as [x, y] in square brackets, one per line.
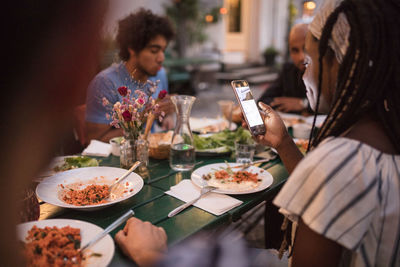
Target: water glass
[226, 107]
[244, 152]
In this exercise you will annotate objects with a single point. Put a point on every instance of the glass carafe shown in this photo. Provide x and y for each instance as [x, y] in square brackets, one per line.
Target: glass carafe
[182, 155]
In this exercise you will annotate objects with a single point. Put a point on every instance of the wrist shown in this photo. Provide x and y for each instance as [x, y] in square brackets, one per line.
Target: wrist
[304, 103]
[147, 258]
[286, 142]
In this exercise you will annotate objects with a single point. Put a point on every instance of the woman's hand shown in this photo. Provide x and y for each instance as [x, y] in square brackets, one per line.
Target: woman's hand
[276, 132]
[142, 241]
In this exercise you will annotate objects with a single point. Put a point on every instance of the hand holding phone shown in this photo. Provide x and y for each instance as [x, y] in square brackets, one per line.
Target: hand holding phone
[249, 107]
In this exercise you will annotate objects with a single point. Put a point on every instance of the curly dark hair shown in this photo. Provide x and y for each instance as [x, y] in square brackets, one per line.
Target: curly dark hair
[136, 30]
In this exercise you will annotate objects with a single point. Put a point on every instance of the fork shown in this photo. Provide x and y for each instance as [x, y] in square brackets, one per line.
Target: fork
[204, 190]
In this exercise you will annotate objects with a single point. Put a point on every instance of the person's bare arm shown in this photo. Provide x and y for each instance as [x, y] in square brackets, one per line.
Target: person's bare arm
[168, 122]
[313, 249]
[102, 132]
[276, 136]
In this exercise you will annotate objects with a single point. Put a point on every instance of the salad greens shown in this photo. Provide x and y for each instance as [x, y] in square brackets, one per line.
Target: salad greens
[223, 141]
[77, 162]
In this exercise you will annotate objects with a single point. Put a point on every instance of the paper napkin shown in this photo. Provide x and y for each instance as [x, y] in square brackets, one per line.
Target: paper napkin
[97, 148]
[214, 203]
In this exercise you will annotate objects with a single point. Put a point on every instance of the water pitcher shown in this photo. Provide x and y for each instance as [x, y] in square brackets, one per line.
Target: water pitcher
[182, 155]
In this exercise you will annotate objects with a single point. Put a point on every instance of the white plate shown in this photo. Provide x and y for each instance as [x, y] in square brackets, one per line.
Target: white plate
[105, 246]
[289, 118]
[48, 190]
[55, 162]
[200, 124]
[320, 120]
[265, 176]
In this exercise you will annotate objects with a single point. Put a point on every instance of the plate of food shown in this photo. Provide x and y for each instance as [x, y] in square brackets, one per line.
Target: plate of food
[56, 242]
[290, 119]
[65, 163]
[302, 144]
[210, 125]
[222, 143]
[231, 180]
[88, 188]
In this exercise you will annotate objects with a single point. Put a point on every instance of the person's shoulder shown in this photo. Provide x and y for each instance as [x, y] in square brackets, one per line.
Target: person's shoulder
[161, 75]
[289, 67]
[109, 72]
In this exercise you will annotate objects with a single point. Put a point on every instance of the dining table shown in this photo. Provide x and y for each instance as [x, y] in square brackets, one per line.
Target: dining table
[152, 204]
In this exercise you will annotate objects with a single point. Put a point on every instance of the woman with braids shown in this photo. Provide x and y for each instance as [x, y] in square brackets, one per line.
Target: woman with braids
[345, 194]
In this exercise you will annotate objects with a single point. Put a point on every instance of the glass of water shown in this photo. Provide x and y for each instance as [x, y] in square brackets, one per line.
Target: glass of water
[244, 152]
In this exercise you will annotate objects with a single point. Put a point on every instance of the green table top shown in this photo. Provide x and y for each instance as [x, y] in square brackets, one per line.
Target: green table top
[152, 204]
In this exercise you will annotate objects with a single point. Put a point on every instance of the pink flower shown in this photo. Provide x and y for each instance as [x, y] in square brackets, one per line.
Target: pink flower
[140, 101]
[162, 94]
[123, 90]
[105, 102]
[127, 115]
[108, 116]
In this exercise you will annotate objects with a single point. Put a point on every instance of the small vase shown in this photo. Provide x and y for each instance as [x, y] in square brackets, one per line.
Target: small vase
[133, 149]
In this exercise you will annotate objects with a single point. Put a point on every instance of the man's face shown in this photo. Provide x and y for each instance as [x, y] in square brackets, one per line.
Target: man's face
[150, 59]
[296, 49]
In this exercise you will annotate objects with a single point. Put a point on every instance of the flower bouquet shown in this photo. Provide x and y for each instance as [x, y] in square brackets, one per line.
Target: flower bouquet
[131, 114]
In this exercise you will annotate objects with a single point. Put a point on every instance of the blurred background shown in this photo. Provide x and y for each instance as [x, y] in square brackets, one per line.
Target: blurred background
[217, 40]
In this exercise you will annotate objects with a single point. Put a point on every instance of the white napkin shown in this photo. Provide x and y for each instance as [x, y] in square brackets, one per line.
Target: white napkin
[97, 148]
[214, 203]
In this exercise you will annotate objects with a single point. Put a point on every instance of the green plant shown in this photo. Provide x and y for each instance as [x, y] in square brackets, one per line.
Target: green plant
[270, 51]
[189, 20]
[270, 54]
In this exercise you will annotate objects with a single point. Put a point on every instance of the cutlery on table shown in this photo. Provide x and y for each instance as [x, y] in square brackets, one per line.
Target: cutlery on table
[134, 166]
[106, 231]
[204, 190]
[246, 165]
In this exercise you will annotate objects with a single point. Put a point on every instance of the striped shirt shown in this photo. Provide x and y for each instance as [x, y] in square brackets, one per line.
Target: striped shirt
[349, 192]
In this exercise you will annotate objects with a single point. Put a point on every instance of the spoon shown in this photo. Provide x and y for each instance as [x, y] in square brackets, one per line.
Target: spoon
[134, 166]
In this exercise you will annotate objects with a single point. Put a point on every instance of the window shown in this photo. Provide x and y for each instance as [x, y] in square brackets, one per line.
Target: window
[234, 15]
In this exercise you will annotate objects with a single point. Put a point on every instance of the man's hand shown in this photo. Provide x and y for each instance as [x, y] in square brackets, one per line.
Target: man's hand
[166, 105]
[168, 122]
[142, 241]
[288, 104]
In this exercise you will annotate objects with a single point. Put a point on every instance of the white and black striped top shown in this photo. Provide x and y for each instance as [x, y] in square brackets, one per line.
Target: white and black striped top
[349, 192]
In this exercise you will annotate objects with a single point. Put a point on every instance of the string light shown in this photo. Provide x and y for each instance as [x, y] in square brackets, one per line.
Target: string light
[209, 18]
[309, 5]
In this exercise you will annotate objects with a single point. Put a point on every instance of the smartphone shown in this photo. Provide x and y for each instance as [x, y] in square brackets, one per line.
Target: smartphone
[249, 107]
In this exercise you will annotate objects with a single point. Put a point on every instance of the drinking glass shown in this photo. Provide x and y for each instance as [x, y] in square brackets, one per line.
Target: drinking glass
[226, 107]
[244, 152]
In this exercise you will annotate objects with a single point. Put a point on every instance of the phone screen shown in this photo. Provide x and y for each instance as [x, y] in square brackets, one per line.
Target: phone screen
[249, 105]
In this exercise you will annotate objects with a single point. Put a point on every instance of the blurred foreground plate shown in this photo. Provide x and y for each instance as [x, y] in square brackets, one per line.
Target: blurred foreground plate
[104, 247]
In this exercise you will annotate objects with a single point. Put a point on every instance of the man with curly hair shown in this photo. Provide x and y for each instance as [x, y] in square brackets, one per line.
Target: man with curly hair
[142, 39]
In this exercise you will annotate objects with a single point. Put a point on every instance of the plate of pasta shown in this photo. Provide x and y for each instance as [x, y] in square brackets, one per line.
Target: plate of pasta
[56, 242]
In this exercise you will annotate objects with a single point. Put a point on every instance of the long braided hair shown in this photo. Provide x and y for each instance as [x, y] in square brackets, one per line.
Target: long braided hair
[369, 76]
